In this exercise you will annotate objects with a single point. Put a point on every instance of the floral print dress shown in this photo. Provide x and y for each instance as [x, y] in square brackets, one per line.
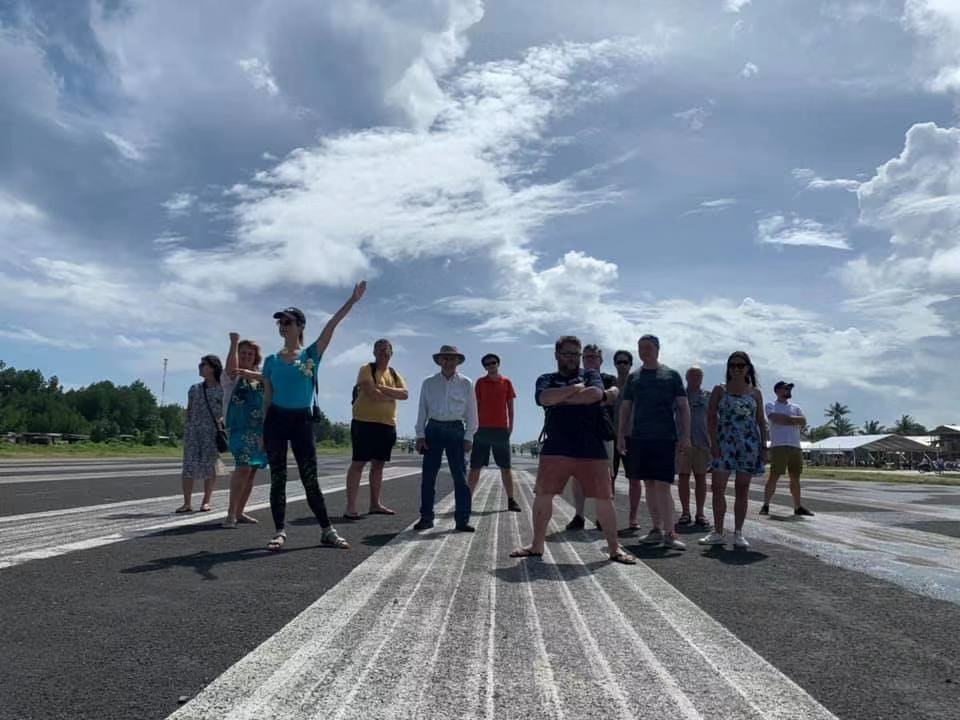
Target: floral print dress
[245, 424]
[738, 435]
[200, 456]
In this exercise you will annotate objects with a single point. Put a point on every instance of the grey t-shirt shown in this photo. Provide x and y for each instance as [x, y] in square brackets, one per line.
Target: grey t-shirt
[653, 394]
[699, 435]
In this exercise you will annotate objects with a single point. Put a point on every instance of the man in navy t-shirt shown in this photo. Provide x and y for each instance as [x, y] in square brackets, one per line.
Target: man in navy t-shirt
[573, 447]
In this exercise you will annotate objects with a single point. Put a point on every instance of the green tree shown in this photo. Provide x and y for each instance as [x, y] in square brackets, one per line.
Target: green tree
[837, 412]
[821, 432]
[906, 425]
[872, 427]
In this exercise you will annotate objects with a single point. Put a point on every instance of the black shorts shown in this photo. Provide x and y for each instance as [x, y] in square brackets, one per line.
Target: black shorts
[372, 441]
[487, 439]
[650, 460]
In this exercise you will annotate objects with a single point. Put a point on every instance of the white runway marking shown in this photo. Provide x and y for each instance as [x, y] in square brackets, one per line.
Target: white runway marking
[36, 536]
[443, 625]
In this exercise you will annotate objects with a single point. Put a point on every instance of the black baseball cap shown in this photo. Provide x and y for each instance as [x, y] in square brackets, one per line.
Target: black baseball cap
[782, 383]
[292, 313]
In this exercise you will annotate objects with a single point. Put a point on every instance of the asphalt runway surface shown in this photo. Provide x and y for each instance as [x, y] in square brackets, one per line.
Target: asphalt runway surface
[113, 607]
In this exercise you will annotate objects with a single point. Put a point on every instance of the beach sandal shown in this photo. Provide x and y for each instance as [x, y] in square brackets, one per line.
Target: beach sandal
[229, 524]
[382, 511]
[205, 507]
[701, 522]
[183, 509]
[349, 518]
[332, 539]
[525, 553]
[277, 542]
[684, 519]
[623, 557]
[247, 519]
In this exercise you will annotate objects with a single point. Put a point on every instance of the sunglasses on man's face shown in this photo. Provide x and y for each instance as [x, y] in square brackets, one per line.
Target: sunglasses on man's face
[623, 362]
[570, 354]
[737, 366]
[491, 363]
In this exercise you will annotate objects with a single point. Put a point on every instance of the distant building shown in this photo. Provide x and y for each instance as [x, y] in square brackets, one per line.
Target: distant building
[948, 440]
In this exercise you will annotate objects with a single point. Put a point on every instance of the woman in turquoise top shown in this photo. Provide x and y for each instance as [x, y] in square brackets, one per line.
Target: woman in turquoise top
[243, 400]
[289, 378]
[738, 442]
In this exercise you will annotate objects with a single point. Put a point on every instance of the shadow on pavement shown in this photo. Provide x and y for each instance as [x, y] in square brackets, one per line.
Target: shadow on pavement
[734, 556]
[203, 562]
[536, 569]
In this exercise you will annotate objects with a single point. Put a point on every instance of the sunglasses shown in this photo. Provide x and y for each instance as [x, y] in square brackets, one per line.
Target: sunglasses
[570, 354]
[284, 322]
[491, 363]
[737, 366]
[623, 362]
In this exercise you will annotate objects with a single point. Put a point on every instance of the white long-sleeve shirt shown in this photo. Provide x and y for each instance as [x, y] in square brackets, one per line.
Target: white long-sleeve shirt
[443, 399]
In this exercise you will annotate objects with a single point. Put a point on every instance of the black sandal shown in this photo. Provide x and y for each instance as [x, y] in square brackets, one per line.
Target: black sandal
[684, 519]
[525, 553]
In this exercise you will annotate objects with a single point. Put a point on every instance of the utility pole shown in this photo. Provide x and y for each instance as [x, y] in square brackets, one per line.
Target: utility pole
[163, 382]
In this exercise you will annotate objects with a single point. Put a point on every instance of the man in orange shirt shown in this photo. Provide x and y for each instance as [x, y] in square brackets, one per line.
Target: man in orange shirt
[495, 396]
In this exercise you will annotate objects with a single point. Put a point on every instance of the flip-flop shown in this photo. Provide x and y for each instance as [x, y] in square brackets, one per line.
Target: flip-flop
[624, 558]
[247, 520]
[382, 511]
[525, 553]
[276, 542]
[349, 517]
[205, 508]
[182, 510]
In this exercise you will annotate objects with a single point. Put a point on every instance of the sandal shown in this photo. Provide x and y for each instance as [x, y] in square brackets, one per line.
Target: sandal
[183, 509]
[277, 541]
[684, 519]
[205, 507]
[382, 511]
[332, 539]
[623, 557]
[248, 519]
[701, 522]
[229, 523]
[525, 553]
[350, 517]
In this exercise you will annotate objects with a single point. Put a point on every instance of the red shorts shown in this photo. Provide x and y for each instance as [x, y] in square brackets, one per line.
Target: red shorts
[593, 476]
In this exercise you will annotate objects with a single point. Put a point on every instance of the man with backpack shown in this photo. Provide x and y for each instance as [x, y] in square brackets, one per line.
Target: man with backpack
[373, 430]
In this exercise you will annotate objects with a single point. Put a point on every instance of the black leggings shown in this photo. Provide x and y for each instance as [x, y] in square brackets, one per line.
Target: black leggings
[296, 426]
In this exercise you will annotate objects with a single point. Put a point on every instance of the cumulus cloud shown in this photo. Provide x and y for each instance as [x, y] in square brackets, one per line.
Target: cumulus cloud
[735, 6]
[749, 70]
[180, 203]
[938, 23]
[793, 230]
[260, 75]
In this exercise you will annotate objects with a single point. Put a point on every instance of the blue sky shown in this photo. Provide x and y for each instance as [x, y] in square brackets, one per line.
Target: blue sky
[776, 176]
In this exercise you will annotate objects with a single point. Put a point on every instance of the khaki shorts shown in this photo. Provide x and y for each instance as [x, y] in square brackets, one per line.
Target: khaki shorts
[696, 460]
[786, 459]
[555, 470]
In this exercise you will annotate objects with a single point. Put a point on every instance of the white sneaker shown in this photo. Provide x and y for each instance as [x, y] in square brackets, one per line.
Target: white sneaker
[740, 541]
[672, 542]
[714, 538]
[654, 537]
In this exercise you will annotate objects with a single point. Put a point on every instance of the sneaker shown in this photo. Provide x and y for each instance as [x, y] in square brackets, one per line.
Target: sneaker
[714, 538]
[672, 542]
[466, 528]
[423, 524]
[802, 511]
[739, 541]
[577, 523]
[513, 505]
[764, 509]
[654, 537]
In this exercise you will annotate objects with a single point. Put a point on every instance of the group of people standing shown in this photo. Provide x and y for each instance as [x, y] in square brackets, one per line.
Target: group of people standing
[646, 421]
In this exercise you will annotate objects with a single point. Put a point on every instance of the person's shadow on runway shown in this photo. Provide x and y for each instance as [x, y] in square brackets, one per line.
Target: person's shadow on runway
[204, 562]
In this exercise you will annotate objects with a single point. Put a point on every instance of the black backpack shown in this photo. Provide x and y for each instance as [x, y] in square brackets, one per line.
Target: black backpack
[373, 374]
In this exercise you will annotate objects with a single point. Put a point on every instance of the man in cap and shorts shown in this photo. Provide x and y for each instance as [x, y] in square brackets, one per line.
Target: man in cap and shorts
[786, 456]
[495, 395]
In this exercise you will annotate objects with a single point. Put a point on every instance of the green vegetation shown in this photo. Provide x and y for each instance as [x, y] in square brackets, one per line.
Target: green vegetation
[840, 425]
[9, 451]
[854, 474]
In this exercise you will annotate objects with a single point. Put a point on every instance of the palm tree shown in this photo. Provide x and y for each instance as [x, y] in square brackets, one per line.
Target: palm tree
[837, 413]
[873, 427]
[906, 425]
[816, 434]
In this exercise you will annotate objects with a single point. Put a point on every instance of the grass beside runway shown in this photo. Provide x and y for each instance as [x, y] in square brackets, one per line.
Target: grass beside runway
[880, 476]
[115, 450]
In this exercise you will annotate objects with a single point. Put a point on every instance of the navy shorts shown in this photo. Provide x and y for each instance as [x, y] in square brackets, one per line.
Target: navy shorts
[489, 439]
[372, 441]
[650, 460]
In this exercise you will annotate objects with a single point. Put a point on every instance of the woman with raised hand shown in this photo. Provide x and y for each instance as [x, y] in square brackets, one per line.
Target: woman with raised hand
[289, 380]
[201, 459]
[738, 443]
[243, 398]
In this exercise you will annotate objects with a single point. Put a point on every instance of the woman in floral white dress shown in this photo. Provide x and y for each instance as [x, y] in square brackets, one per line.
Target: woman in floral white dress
[289, 379]
[201, 459]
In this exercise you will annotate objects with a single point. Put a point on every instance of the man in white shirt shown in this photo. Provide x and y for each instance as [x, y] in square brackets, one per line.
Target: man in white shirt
[446, 422]
[786, 419]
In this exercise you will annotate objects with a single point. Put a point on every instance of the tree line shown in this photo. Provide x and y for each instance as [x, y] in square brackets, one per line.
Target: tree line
[31, 403]
[839, 425]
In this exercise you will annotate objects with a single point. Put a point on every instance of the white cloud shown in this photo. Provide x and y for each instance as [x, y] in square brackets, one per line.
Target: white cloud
[124, 146]
[780, 230]
[812, 181]
[749, 70]
[695, 118]
[356, 355]
[712, 206]
[938, 24]
[13, 209]
[323, 214]
[32, 337]
[180, 203]
[735, 5]
[260, 75]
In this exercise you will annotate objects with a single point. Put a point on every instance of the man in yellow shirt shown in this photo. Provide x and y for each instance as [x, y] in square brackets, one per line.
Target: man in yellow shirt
[373, 431]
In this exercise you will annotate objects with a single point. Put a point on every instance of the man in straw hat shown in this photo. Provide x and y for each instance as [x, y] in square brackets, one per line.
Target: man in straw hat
[446, 422]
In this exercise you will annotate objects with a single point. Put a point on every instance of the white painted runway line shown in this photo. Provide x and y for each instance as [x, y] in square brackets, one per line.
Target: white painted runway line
[444, 625]
[35, 536]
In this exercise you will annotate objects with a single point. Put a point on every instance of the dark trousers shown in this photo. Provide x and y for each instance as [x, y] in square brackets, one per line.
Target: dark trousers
[296, 427]
[445, 437]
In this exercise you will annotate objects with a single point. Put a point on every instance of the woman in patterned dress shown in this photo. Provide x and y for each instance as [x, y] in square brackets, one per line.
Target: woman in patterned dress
[243, 398]
[201, 459]
[738, 443]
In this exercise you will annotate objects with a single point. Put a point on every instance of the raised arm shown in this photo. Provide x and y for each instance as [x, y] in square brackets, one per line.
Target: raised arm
[233, 364]
[327, 334]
